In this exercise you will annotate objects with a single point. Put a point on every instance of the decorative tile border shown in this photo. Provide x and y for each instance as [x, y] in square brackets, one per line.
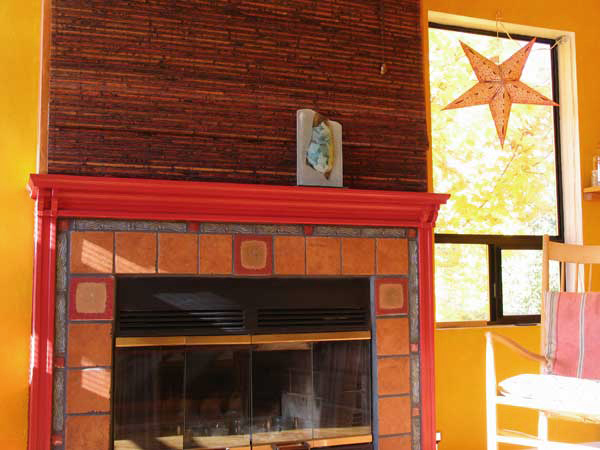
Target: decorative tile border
[388, 255]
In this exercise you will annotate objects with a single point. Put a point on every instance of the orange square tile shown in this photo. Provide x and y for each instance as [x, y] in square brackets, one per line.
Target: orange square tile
[392, 336]
[392, 256]
[358, 256]
[393, 376]
[216, 254]
[92, 252]
[394, 415]
[88, 390]
[391, 296]
[90, 344]
[253, 255]
[88, 432]
[135, 252]
[323, 256]
[290, 255]
[177, 253]
[395, 443]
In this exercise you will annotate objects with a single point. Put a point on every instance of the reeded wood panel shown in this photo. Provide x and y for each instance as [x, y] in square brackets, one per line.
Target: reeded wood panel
[207, 90]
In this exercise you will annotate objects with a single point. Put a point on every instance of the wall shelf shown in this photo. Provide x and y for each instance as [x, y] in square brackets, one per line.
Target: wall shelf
[590, 193]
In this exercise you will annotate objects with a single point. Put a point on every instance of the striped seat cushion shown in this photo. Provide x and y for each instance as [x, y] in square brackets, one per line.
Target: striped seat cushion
[572, 327]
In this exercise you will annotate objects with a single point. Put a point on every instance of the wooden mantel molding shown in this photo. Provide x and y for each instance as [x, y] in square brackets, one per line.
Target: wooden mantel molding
[66, 196]
[129, 198]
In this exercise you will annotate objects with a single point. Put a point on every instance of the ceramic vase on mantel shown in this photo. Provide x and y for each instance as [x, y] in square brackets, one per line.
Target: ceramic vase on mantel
[319, 150]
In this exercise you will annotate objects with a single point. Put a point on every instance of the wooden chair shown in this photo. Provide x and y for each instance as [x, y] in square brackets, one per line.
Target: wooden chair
[560, 391]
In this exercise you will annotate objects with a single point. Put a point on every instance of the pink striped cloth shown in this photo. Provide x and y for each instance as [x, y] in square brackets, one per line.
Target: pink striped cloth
[572, 327]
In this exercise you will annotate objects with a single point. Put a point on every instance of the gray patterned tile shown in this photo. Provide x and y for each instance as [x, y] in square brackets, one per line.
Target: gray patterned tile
[416, 433]
[413, 290]
[415, 377]
[58, 400]
[373, 232]
[62, 254]
[60, 322]
[327, 230]
[215, 228]
[173, 227]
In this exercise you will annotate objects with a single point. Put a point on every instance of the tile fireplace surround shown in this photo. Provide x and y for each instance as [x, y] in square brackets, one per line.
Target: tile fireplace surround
[89, 231]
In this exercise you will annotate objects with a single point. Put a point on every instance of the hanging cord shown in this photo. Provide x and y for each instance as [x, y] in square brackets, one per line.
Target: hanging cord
[383, 68]
[500, 24]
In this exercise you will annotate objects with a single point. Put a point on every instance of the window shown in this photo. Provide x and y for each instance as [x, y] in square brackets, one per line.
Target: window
[488, 236]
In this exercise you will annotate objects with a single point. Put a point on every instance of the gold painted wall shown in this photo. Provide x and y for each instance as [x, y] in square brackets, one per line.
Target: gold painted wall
[460, 369]
[19, 62]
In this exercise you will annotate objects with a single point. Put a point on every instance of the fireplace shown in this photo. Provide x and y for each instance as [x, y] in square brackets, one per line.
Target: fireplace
[99, 240]
[241, 363]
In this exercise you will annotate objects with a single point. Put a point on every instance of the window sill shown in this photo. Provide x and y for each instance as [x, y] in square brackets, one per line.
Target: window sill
[479, 324]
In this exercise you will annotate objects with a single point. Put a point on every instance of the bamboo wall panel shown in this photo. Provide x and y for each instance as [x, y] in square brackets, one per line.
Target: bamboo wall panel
[208, 90]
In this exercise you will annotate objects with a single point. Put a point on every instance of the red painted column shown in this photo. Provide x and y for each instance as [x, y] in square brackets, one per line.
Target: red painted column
[427, 329]
[42, 325]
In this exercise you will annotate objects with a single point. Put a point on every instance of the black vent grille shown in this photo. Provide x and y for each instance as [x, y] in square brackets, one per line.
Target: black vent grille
[137, 323]
[313, 318]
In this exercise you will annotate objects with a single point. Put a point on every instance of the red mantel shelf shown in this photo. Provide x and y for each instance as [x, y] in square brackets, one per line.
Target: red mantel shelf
[123, 198]
[128, 198]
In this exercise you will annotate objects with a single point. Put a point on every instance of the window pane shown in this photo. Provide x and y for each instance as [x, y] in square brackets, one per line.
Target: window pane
[461, 282]
[509, 191]
[522, 281]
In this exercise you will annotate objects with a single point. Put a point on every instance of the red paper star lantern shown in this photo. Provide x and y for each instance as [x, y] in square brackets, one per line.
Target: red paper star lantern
[499, 86]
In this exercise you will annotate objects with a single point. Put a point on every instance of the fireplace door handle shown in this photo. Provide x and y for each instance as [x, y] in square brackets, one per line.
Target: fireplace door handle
[298, 446]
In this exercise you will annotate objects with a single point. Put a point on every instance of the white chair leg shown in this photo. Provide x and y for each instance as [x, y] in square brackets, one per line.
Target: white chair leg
[542, 426]
[490, 394]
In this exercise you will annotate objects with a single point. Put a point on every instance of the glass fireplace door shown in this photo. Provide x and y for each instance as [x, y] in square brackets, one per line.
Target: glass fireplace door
[261, 395]
[194, 397]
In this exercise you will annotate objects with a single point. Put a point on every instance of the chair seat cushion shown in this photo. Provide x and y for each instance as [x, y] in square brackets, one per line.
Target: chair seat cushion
[557, 394]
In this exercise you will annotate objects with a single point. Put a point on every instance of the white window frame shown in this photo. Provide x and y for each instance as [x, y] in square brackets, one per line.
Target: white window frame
[568, 114]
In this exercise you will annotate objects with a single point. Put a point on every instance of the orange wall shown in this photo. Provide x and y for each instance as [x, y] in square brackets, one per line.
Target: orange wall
[459, 352]
[460, 369]
[19, 36]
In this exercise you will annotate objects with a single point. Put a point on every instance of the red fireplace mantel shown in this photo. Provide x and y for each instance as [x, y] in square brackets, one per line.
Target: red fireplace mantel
[64, 196]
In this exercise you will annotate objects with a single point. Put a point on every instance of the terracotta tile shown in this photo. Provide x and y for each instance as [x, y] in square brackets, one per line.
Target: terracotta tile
[215, 253]
[88, 390]
[358, 256]
[392, 336]
[323, 256]
[88, 432]
[392, 256]
[290, 255]
[91, 298]
[177, 253]
[90, 344]
[393, 376]
[395, 443]
[253, 255]
[136, 252]
[391, 296]
[91, 252]
[394, 415]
